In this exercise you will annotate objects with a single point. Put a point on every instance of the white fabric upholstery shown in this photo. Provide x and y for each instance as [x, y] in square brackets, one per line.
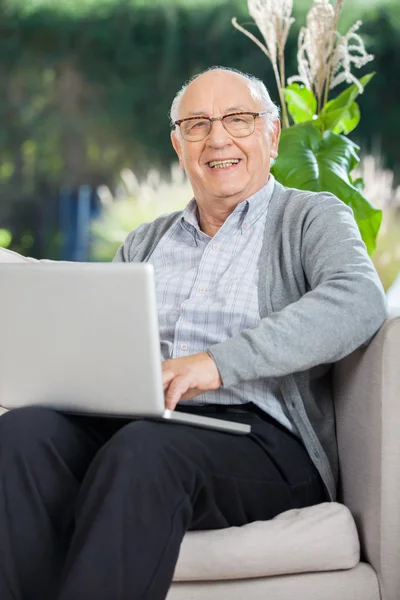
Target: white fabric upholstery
[12, 257]
[318, 538]
[359, 583]
[8, 256]
[367, 402]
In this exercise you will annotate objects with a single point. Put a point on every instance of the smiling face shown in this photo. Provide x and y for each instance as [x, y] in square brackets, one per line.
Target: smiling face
[214, 94]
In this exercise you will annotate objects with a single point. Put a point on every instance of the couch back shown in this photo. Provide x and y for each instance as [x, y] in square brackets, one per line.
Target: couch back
[366, 388]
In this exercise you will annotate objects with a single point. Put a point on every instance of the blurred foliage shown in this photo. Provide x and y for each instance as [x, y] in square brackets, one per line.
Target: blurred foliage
[87, 85]
[381, 190]
[136, 203]
[387, 255]
[5, 238]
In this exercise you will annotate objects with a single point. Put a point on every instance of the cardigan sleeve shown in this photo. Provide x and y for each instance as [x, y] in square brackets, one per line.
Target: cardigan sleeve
[343, 309]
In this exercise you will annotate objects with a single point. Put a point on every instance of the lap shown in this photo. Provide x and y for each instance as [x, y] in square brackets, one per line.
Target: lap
[257, 475]
[242, 478]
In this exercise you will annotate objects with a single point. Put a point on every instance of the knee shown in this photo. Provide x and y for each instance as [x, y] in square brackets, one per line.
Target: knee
[142, 442]
[23, 428]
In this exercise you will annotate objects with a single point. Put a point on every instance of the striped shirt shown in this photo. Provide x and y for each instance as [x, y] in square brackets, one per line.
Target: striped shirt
[207, 291]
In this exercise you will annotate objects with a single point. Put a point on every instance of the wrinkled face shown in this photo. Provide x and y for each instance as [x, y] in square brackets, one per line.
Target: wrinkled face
[215, 94]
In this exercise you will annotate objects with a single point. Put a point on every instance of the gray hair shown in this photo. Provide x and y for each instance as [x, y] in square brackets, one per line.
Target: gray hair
[257, 89]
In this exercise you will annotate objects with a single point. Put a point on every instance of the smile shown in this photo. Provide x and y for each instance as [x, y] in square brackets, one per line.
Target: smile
[223, 164]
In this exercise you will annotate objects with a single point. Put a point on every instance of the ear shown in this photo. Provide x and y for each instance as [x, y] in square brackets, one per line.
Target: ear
[176, 142]
[275, 135]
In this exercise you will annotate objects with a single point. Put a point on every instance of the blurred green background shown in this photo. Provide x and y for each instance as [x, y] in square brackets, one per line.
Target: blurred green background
[86, 86]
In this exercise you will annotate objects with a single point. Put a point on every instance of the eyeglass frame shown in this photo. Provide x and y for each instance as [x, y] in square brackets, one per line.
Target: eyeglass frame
[213, 119]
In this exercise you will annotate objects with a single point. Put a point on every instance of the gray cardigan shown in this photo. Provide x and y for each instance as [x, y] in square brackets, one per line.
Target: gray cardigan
[320, 298]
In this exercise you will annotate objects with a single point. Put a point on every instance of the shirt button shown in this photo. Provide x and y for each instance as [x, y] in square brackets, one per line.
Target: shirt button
[186, 323]
[245, 226]
[215, 246]
[202, 289]
[184, 346]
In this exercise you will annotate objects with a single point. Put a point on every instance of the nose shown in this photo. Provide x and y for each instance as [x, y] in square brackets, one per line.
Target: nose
[218, 136]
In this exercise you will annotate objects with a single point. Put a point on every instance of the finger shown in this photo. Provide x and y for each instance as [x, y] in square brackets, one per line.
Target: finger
[167, 377]
[178, 387]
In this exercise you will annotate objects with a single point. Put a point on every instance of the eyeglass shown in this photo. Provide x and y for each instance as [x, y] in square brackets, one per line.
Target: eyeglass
[240, 124]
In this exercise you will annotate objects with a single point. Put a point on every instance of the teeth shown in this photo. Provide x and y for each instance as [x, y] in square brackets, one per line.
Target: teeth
[222, 164]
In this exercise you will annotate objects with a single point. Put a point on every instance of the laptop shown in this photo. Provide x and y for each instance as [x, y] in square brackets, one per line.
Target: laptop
[83, 338]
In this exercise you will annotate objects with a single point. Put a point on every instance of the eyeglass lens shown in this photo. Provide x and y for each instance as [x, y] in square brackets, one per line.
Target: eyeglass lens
[236, 125]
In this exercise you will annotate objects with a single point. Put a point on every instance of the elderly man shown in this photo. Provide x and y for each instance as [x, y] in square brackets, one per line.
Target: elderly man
[260, 288]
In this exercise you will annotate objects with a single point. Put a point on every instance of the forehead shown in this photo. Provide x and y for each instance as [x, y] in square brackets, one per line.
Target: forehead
[217, 92]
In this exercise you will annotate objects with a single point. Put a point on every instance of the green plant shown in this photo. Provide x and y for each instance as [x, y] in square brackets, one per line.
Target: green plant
[315, 153]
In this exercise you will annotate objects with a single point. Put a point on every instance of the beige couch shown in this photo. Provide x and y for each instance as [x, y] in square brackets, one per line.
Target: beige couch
[314, 553]
[311, 555]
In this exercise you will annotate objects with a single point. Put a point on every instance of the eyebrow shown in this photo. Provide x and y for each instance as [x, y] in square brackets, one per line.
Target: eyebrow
[230, 109]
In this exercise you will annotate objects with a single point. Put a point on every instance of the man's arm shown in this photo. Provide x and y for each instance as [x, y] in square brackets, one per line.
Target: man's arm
[344, 308]
[122, 254]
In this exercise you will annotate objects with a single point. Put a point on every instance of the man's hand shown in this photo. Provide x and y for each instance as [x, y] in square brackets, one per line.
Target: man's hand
[188, 377]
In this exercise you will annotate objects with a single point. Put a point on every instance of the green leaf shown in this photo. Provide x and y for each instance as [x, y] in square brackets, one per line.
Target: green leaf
[358, 183]
[302, 104]
[348, 120]
[311, 161]
[340, 115]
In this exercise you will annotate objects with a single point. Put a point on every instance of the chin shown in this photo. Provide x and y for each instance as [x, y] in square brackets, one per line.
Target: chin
[228, 191]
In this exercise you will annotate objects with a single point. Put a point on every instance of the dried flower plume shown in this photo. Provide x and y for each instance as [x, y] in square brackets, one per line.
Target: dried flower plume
[324, 56]
[274, 20]
[314, 47]
[349, 50]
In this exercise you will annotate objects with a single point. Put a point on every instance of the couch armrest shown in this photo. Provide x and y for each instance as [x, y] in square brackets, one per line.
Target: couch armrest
[9, 256]
[367, 402]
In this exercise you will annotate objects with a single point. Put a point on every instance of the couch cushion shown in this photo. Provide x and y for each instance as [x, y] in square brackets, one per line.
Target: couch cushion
[317, 538]
[359, 583]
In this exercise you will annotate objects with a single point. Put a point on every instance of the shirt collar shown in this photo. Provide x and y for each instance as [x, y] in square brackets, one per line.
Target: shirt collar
[255, 206]
[248, 210]
[190, 214]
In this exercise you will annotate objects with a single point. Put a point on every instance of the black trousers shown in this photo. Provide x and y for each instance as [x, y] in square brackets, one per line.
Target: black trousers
[96, 508]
